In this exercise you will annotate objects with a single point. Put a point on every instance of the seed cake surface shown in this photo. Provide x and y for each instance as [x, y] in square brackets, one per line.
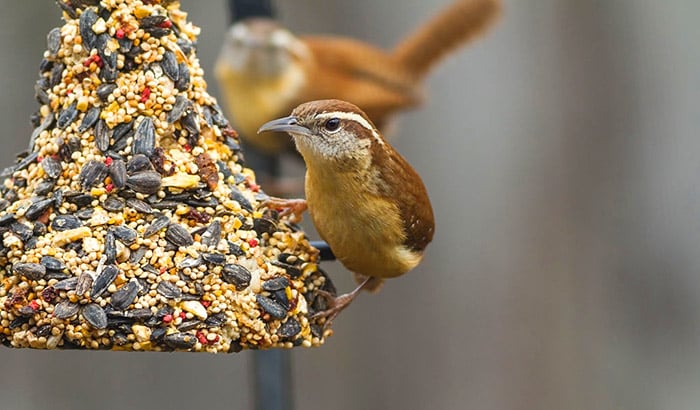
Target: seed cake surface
[131, 222]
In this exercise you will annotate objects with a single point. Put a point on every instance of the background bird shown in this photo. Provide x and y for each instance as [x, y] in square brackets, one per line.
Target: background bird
[264, 70]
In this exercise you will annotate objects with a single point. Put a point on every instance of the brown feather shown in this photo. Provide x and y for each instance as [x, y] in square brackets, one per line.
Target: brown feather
[461, 21]
[404, 184]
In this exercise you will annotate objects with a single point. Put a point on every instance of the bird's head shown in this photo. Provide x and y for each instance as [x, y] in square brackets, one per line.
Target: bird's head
[330, 131]
[260, 46]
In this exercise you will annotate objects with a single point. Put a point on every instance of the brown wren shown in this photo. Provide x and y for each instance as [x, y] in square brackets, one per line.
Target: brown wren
[264, 70]
[365, 200]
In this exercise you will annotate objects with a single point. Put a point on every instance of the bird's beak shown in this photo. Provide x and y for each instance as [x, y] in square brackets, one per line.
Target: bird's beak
[287, 124]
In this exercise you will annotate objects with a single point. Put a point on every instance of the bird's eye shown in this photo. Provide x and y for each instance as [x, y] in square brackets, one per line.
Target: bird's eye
[332, 124]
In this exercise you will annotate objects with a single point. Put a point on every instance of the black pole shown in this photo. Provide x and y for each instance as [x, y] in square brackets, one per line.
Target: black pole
[243, 9]
[271, 368]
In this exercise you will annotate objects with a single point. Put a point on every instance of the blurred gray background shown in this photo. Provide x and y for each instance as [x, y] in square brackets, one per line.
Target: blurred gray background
[561, 152]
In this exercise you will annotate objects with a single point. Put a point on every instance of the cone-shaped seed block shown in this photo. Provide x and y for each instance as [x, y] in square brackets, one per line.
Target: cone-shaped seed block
[131, 223]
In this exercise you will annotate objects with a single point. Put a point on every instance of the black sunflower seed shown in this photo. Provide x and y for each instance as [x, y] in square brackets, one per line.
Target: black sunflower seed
[66, 284]
[273, 308]
[289, 328]
[22, 231]
[122, 129]
[169, 290]
[212, 235]
[89, 119]
[38, 208]
[124, 296]
[33, 271]
[92, 173]
[42, 97]
[291, 270]
[52, 167]
[44, 187]
[215, 320]
[178, 235]
[236, 275]
[53, 41]
[183, 82]
[214, 258]
[170, 66]
[102, 135]
[7, 219]
[110, 251]
[180, 340]
[146, 182]
[179, 108]
[139, 205]
[275, 284]
[125, 234]
[105, 90]
[190, 262]
[138, 163]
[113, 204]
[189, 122]
[84, 283]
[264, 225]
[237, 196]
[85, 213]
[145, 138]
[65, 223]
[56, 74]
[65, 309]
[189, 325]
[95, 316]
[87, 19]
[152, 21]
[51, 263]
[67, 116]
[156, 226]
[103, 280]
[137, 255]
[117, 172]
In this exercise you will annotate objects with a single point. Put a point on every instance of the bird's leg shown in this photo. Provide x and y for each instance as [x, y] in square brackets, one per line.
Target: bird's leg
[338, 303]
[292, 207]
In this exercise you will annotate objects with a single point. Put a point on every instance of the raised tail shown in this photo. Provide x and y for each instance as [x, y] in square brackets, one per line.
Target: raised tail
[461, 21]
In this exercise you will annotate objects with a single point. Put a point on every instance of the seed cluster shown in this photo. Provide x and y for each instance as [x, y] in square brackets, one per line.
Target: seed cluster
[131, 222]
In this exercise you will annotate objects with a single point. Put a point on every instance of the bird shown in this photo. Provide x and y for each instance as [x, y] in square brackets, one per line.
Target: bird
[364, 198]
[264, 70]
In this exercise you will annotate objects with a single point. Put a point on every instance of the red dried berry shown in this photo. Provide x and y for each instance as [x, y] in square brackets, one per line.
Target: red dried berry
[145, 94]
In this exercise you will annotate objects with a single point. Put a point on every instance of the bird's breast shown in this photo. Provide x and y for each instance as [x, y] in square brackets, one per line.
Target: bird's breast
[254, 100]
[363, 229]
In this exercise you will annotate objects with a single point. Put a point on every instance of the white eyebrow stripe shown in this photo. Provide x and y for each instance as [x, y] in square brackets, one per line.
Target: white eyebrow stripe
[343, 115]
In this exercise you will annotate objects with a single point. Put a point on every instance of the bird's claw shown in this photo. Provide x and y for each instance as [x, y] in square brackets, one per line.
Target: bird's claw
[336, 304]
[294, 208]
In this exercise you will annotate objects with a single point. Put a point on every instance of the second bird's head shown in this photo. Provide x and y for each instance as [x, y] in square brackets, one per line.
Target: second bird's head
[260, 47]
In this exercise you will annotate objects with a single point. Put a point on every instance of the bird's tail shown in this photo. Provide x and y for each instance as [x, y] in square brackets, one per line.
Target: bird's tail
[461, 21]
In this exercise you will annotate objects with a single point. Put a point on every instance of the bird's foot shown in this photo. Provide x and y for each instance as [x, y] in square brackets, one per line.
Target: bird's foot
[287, 207]
[337, 304]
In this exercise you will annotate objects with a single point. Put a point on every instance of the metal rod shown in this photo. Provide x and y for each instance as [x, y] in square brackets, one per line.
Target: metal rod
[326, 251]
[271, 368]
[242, 9]
[273, 390]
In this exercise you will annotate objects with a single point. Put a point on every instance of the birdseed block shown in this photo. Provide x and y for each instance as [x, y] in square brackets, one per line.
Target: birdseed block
[131, 222]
